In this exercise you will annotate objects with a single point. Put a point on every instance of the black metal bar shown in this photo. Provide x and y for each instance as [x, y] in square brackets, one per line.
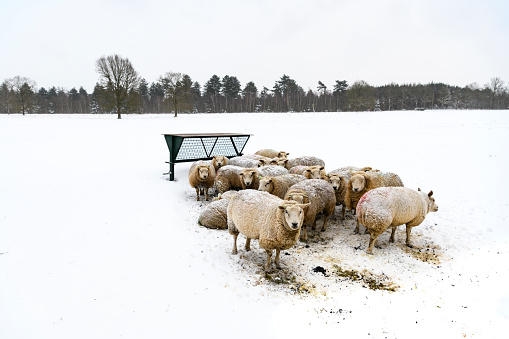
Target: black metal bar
[234, 147]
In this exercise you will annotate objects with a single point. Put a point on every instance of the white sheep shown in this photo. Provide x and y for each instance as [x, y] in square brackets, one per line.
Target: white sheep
[219, 161]
[246, 162]
[228, 178]
[214, 214]
[278, 161]
[339, 178]
[320, 195]
[279, 185]
[362, 182]
[310, 172]
[250, 177]
[270, 153]
[385, 207]
[305, 161]
[276, 223]
[201, 177]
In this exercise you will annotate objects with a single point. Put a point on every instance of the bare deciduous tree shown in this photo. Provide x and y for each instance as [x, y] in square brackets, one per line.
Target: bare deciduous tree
[177, 89]
[120, 81]
[23, 89]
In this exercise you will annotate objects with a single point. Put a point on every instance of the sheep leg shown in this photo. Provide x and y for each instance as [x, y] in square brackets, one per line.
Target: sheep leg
[248, 244]
[357, 227]
[276, 260]
[391, 239]
[234, 251]
[408, 230]
[197, 194]
[267, 263]
[324, 228]
[343, 211]
[304, 233]
[313, 227]
[206, 194]
[372, 241]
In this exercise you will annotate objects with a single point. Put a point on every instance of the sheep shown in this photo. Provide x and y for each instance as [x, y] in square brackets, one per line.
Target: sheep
[227, 178]
[278, 161]
[276, 223]
[298, 169]
[305, 161]
[320, 195]
[214, 214]
[310, 172]
[201, 177]
[385, 207]
[270, 153]
[339, 178]
[246, 162]
[250, 177]
[219, 161]
[279, 185]
[362, 182]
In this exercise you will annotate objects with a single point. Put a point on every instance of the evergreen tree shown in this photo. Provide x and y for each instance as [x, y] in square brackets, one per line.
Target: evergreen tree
[230, 89]
[250, 92]
[212, 94]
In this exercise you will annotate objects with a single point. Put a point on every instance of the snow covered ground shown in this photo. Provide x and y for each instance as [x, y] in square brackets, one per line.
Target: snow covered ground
[96, 243]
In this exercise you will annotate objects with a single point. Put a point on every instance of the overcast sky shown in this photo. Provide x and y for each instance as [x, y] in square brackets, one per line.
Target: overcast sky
[458, 42]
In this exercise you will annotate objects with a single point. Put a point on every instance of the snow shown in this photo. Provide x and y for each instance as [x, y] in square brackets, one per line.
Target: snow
[95, 242]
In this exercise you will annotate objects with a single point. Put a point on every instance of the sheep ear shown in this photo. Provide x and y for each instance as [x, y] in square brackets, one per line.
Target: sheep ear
[260, 177]
[430, 194]
[305, 206]
[322, 168]
[241, 174]
[282, 207]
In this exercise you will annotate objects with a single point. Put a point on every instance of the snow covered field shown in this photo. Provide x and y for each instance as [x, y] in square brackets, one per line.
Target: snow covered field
[96, 243]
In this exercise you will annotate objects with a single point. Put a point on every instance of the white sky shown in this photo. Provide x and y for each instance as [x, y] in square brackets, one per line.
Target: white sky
[56, 42]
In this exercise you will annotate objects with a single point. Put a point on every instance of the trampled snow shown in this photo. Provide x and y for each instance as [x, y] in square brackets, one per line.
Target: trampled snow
[95, 242]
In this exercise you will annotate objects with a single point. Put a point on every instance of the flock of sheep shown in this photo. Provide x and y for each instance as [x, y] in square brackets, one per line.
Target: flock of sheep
[271, 198]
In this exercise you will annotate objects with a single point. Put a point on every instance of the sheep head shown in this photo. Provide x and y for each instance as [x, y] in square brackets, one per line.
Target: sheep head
[301, 198]
[358, 181]
[266, 184]
[203, 172]
[293, 214]
[335, 180]
[283, 155]
[248, 176]
[314, 172]
[220, 160]
[432, 206]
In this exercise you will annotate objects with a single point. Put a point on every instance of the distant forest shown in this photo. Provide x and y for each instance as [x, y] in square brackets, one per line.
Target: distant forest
[176, 92]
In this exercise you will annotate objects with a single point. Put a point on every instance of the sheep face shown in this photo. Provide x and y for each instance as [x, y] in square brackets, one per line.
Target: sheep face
[335, 181]
[293, 214]
[283, 155]
[266, 184]
[432, 206]
[221, 160]
[314, 172]
[279, 162]
[248, 177]
[203, 172]
[358, 182]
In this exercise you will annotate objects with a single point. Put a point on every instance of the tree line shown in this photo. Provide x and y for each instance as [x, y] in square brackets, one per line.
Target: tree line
[121, 90]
